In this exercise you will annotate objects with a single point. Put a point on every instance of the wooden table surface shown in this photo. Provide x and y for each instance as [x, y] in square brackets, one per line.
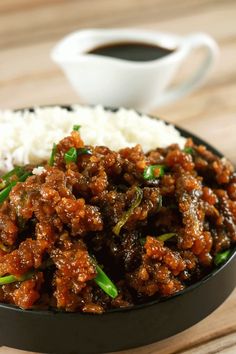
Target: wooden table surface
[30, 28]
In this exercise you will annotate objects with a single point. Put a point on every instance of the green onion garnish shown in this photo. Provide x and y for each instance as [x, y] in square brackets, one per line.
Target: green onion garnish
[18, 171]
[6, 179]
[153, 172]
[101, 279]
[84, 151]
[221, 257]
[76, 127]
[8, 279]
[5, 192]
[3, 184]
[166, 237]
[163, 237]
[53, 153]
[105, 283]
[71, 155]
[188, 150]
[139, 195]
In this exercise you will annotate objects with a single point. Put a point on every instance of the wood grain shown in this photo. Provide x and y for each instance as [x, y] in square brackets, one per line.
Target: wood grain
[30, 28]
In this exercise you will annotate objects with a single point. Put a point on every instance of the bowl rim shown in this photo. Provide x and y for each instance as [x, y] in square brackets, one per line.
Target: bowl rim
[190, 288]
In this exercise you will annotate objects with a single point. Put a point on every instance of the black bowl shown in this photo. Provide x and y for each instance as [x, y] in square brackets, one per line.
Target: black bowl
[59, 332]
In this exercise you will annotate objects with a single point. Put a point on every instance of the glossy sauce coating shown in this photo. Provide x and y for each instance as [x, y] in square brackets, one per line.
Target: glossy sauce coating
[65, 215]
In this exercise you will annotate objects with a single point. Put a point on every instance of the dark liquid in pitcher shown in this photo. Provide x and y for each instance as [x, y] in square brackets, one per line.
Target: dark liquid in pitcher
[133, 51]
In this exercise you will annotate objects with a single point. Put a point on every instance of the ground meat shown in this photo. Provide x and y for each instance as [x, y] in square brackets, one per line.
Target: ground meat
[74, 269]
[57, 227]
[28, 292]
[157, 271]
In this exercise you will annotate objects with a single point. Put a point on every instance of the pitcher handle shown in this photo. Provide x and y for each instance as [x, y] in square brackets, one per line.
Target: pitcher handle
[192, 42]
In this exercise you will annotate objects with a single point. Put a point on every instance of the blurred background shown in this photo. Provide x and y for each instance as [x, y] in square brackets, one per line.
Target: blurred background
[30, 28]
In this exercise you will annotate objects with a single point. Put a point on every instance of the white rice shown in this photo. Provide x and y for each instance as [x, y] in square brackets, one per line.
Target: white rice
[27, 137]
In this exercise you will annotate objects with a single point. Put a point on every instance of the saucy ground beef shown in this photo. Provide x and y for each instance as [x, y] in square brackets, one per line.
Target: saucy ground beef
[152, 223]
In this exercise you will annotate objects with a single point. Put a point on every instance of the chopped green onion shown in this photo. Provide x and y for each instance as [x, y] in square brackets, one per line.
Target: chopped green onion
[84, 151]
[76, 127]
[8, 279]
[71, 155]
[24, 177]
[5, 192]
[53, 153]
[150, 172]
[221, 257]
[17, 171]
[105, 283]
[188, 150]
[3, 184]
[166, 237]
[139, 195]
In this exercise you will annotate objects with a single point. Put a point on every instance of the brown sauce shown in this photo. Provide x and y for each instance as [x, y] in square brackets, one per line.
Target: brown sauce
[132, 51]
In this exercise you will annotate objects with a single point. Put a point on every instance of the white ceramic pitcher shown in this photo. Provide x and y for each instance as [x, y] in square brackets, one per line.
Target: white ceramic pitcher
[122, 83]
